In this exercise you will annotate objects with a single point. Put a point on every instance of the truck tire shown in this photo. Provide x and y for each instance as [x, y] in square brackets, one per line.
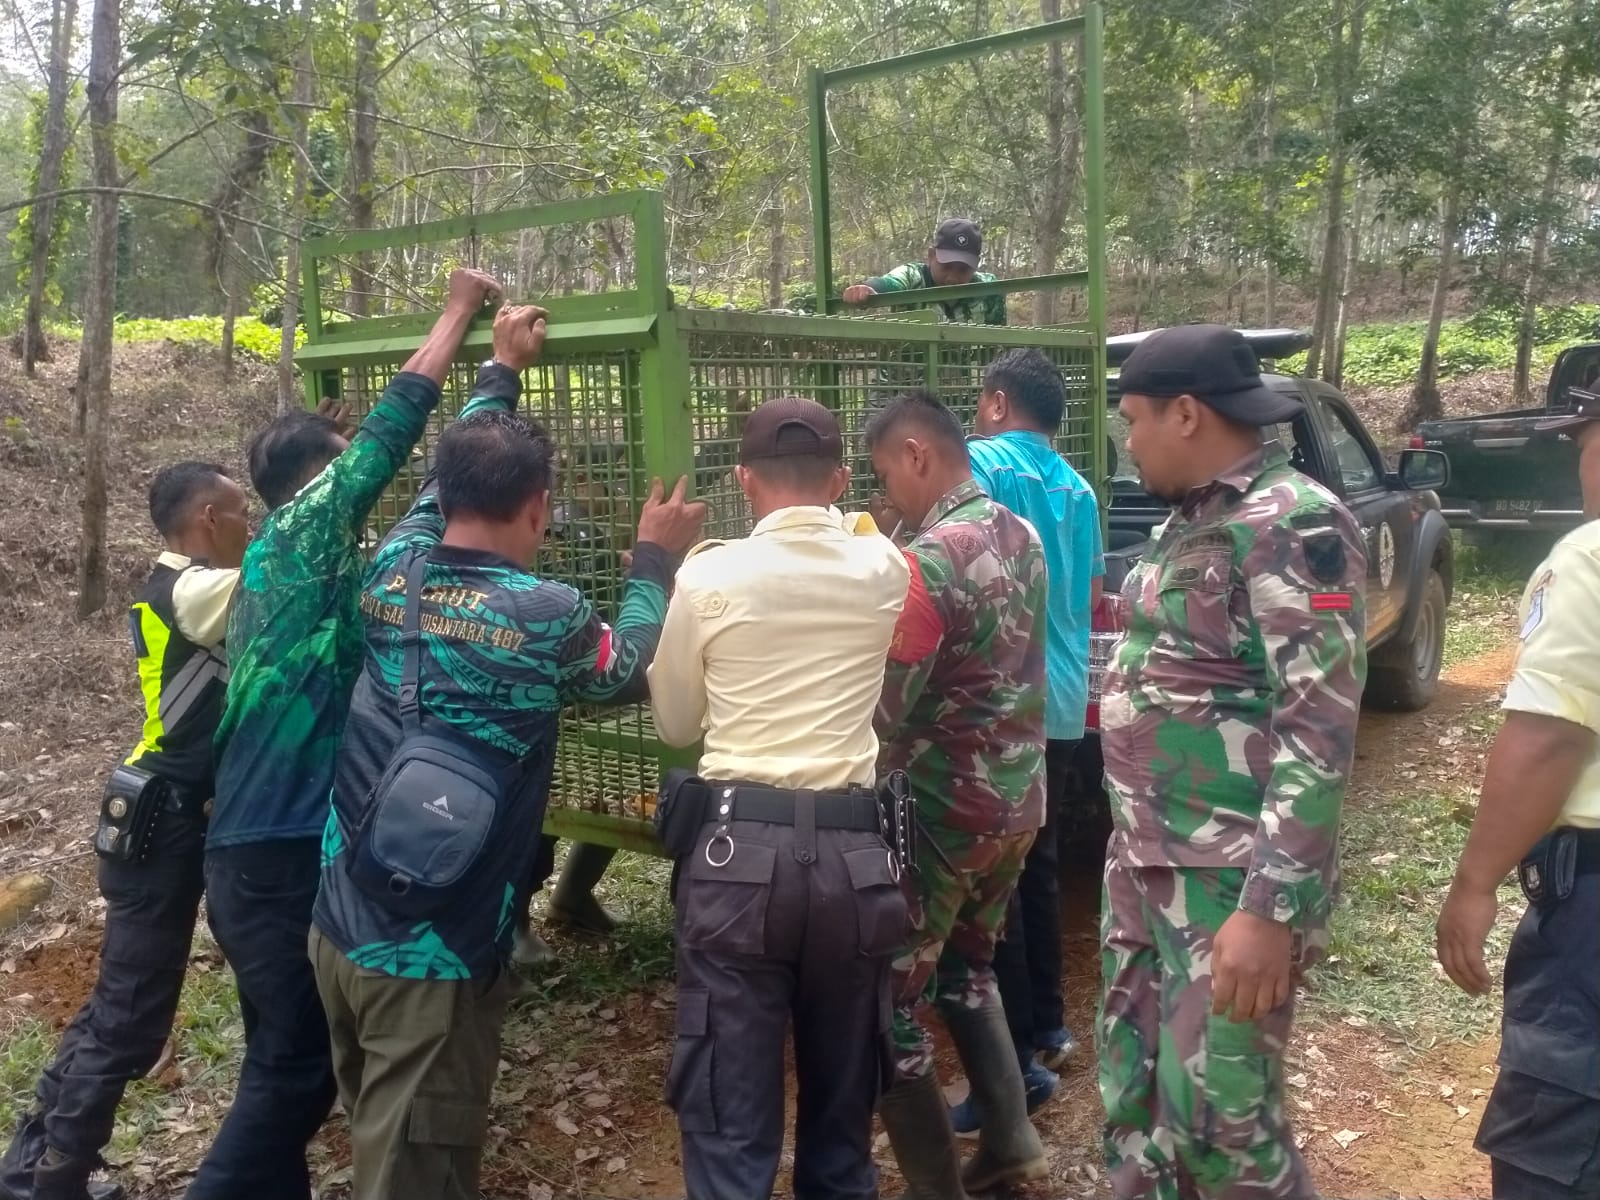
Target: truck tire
[1403, 676]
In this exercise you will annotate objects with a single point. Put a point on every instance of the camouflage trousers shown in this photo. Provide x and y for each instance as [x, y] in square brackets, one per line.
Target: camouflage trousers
[1194, 1102]
[958, 911]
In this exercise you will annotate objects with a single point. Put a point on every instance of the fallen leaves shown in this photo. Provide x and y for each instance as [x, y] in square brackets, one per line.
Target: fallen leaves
[1348, 1137]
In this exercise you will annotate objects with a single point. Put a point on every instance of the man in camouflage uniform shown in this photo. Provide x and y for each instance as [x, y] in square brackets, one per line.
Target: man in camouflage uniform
[1228, 724]
[952, 260]
[963, 715]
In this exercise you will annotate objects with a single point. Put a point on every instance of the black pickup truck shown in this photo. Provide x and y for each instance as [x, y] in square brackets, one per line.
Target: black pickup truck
[1505, 474]
[1410, 556]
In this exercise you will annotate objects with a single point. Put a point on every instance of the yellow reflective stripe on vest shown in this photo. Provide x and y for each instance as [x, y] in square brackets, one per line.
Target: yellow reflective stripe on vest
[156, 635]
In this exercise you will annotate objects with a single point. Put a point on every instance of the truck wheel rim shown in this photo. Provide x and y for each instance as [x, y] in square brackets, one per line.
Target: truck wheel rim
[1422, 648]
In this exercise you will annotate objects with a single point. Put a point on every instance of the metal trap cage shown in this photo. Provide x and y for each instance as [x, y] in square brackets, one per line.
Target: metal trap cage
[632, 388]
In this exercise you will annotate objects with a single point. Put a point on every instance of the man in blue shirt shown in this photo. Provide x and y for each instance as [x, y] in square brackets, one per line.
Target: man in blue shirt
[1019, 412]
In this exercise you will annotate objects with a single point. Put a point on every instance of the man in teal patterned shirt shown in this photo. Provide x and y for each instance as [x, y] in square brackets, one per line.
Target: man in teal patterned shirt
[415, 1004]
[294, 637]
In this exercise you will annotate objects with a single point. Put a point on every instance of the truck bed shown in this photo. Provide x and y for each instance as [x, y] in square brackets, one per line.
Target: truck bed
[1504, 472]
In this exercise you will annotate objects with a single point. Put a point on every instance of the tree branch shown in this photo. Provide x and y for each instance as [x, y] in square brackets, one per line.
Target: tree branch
[137, 194]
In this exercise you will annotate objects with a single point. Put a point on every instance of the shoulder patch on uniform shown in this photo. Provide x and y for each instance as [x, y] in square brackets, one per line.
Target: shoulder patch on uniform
[708, 544]
[919, 629]
[1325, 557]
[861, 524]
[1536, 602]
[708, 604]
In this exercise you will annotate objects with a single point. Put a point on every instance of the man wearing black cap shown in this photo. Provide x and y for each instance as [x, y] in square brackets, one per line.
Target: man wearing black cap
[1540, 813]
[788, 905]
[1228, 725]
[952, 260]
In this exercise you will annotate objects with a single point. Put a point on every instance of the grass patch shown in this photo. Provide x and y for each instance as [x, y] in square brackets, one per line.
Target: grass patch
[1399, 856]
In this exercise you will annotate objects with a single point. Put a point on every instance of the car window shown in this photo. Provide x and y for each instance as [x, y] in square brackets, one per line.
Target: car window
[1357, 468]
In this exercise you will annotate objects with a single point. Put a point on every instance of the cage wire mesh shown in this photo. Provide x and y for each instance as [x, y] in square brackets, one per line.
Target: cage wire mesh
[594, 405]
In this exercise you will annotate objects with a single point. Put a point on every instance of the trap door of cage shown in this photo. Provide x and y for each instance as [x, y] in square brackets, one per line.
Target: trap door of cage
[611, 389]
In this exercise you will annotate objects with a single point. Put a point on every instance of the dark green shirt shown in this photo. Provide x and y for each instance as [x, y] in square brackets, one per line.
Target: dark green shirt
[975, 310]
[294, 634]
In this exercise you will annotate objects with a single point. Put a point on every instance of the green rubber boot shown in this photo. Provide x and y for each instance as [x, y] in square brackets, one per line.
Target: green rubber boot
[572, 903]
[917, 1121]
[1009, 1149]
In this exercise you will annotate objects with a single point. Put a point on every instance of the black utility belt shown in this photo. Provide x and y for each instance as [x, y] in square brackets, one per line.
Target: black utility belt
[1553, 866]
[732, 800]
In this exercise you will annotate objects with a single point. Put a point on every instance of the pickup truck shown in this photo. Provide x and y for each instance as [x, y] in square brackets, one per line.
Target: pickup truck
[1410, 556]
[1505, 474]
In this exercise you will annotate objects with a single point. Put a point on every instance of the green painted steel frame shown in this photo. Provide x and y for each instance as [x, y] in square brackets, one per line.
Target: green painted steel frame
[1089, 28]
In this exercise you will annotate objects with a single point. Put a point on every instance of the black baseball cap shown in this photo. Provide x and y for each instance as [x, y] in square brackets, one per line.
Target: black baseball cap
[1212, 363]
[788, 425]
[958, 240]
[1585, 408]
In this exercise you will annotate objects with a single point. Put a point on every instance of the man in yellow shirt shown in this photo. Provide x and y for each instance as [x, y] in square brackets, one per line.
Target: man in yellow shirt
[1540, 812]
[788, 904]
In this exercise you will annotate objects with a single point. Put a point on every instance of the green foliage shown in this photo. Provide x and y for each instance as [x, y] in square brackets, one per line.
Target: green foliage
[250, 335]
[1386, 355]
[21, 236]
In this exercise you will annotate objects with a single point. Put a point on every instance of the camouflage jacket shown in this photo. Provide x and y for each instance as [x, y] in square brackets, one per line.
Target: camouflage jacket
[975, 310]
[963, 701]
[1228, 719]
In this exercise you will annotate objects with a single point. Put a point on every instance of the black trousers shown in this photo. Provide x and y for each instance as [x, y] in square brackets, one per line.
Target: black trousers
[1541, 1127]
[1027, 959]
[258, 899]
[794, 928]
[117, 1035]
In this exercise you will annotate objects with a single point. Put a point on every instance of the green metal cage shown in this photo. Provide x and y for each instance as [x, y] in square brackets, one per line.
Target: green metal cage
[632, 387]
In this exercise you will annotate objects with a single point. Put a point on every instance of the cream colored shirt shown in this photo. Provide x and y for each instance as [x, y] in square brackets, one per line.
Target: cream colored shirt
[774, 648]
[1558, 667]
[200, 598]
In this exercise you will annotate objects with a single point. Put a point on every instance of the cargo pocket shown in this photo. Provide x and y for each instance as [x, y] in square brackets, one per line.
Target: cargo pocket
[435, 1121]
[1538, 1127]
[689, 1077]
[1238, 1088]
[1195, 600]
[725, 908]
[882, 913]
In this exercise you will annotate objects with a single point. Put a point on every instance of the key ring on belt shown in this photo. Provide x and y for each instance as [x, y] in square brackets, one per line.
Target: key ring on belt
[724, 810]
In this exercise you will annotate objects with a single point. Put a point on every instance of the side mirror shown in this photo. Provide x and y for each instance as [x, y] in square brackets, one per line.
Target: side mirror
[1424, 470]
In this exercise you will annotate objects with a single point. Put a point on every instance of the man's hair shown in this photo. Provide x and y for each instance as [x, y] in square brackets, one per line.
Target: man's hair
[289, 453]
[795, 472]
[1033, 383]
[491, 464]
[177, 489]
[926, 413]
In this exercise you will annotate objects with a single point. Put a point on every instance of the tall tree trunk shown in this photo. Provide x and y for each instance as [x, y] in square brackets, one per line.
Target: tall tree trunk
[63, 19]
[1425, 404]
[1527, 328]
[230, 314]
[94, 358]
[1347, 55]
[1060, 160]
[1352, 264]
[364, 150]
[777, 230]
[1269, 189]
[297, 216]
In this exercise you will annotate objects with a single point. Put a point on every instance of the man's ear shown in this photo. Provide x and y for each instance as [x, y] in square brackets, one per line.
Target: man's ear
[1188, 414]
[999, 405]
[841, 481]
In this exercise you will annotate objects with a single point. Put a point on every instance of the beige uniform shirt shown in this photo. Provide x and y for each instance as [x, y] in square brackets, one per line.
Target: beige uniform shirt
[200, 598]
[774, 648]
[1558, 667]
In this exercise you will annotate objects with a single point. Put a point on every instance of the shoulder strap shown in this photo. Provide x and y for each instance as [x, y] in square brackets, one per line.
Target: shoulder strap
[411, 645]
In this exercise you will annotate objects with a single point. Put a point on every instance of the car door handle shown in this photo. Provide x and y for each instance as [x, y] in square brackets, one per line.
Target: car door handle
[1501, 443]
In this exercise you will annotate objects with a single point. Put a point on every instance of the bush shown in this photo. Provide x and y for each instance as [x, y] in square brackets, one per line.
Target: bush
[250, 335]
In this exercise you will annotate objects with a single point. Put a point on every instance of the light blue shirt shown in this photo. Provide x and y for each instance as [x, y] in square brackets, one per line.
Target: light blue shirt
[1022, 471]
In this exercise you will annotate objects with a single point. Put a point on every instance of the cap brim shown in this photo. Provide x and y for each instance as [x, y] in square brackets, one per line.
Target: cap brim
[1256, 406]
[956, 256]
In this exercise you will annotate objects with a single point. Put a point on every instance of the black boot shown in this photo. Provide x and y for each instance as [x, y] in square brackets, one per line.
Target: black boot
[573, 903]
[1009, 1149]
[62, 1176]
[24, 1153]
[917, 1121]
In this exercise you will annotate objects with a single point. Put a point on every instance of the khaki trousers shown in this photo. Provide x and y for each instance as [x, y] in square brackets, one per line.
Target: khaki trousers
[416, 1062]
